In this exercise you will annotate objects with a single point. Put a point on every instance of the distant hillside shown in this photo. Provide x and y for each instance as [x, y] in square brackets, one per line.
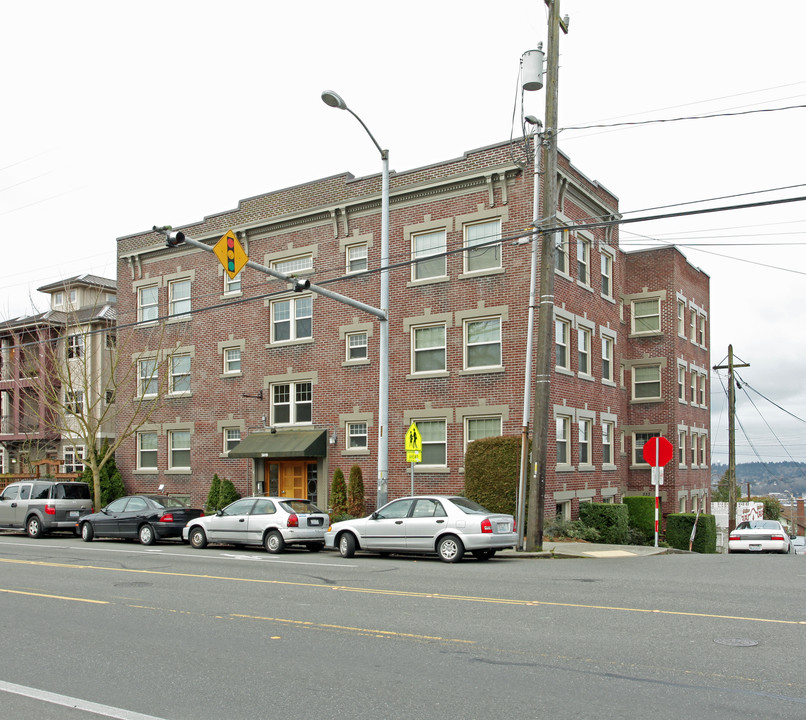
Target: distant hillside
[783, 477]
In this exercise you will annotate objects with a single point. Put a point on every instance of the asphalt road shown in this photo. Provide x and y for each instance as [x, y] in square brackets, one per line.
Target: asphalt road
[114, 629]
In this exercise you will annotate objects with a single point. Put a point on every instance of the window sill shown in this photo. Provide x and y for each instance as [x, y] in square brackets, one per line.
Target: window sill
[609, 383]
[480, 371]
[586, 468]
[584, 286]
[646, 401]
[655, 334]
[177, 396]
[585, 376]
[563, 371]
[224, 376]
[178, 319]
[468, 275]
[288, 343]
[431, 470]
[564, 468]
[354, 452]
[609, 468]
[354, 363]
[428, 376]
[608, 298]
[428, 281]
[563, 274]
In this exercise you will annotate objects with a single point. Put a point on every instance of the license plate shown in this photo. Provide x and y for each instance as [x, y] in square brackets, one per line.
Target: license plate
[72, 513]
[755, 548]
[503, 527]
[314, 521]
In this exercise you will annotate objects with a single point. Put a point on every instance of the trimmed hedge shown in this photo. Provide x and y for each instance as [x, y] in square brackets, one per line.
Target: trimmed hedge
[609, 519]
[678, 532]
[641, 513]
[492, 469]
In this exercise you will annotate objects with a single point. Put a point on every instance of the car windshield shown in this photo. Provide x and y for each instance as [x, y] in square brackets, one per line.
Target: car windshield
[299, 506]
[469, 506]
[758, 525]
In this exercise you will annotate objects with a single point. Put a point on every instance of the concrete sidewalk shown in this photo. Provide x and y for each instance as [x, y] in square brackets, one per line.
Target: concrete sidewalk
[589, 550]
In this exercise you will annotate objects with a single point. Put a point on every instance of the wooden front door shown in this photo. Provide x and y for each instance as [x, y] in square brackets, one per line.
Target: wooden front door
[294, 480]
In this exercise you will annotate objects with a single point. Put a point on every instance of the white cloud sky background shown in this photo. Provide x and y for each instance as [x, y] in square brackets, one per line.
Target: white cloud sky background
[118, 117]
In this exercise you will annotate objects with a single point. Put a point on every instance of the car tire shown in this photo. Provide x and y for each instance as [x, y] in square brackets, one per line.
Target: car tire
[316, 547]
[483, 554]
[197, 538]
[33, 527]
[146, 535]
[274, 543]
[450, 549]
[87, 533]
[347, 545]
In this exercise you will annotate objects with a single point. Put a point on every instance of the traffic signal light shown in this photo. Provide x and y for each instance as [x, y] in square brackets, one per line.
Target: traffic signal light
[172, 239]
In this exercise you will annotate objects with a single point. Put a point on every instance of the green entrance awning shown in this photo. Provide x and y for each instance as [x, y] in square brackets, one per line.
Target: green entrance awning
[282, 444]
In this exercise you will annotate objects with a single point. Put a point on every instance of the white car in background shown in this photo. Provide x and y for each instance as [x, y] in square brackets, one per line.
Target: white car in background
[759, 536]
[431, 524]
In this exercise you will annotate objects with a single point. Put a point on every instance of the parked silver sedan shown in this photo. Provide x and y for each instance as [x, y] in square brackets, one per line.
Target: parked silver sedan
[759, 536]
[447, 526]
[269, 521]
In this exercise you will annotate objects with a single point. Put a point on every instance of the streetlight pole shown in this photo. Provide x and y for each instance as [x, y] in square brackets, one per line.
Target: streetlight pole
[333, 99]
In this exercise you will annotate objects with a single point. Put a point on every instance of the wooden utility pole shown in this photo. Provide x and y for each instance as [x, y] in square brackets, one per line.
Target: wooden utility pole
[731, 437]
[545, 321]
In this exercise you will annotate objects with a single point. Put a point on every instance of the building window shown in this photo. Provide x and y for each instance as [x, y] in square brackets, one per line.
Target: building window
[147, 378]
[607, 275]
[693, 325]
[478, 428]
[583, 260]
[232, 361]
[681, 448]
[147, 303]
[702, 330]
[584, 350]
[180, 375]
[694, 449]
[232, 286]
[179, 450]
[487, 257]
[58, 299]
[563, 425]
[74, 459]
[357, 346]
[639, 440]
[561, 253]
[232, 436]
[703, 443]
[702, 391]
[111, 339]
[357, 258]
[146, 451]
[693, 397]
[607, 358]
[435, 445]
[74, 401]
[608, 431]
[429, 348]
[681, 318]
[75, 346]
[646, 316]
[646, 382]
[357, 437]
[429, 255]
[295, 265]
[562, 330]
[585, 442]
[292, 403]
[681, 383]
[179, 297]
[483, 343]
[292, 319]
[110, 397]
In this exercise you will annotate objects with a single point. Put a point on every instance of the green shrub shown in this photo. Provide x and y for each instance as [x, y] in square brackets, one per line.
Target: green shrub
[609, 519]
[356, 505]
[492, 470]
[222, 493]
[559, 527]
[228, 493]
[678, 532]
[338, 495]
[772, 507]
[641, 514]
[112, 486]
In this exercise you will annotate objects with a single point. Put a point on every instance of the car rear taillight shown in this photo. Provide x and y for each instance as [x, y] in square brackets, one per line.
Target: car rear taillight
[776, 537]
[486, 526]
[168, 517]
[293, 520]
[735, 537]
[50, 509]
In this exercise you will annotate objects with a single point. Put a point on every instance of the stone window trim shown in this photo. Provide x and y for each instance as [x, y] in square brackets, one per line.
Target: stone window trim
[586, 239]
[290, 253]
[611, 419]
[167, 429]
[482, 215]
[346, 419]
[345, 242]
[426, 226]
[169, 279]
[229, 424]
[633, 430]
[283, 297]
[612, 335]
[356, 327]
[231, 344]
[137, 285]
[431, 413]
[610, 253]
[143, 429]
[646, 294]
[444, 319]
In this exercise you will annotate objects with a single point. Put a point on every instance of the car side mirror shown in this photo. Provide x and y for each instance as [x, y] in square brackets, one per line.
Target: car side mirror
[219, 513]
[374, 516]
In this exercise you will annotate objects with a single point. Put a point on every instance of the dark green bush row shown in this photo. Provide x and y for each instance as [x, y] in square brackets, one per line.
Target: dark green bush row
[609, 519]
[678, 532]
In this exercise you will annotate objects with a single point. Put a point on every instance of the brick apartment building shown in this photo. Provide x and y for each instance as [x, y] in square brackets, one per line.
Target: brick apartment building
[275, 389]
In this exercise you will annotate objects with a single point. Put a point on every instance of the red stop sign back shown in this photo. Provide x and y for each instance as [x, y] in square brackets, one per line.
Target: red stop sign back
[658, 451]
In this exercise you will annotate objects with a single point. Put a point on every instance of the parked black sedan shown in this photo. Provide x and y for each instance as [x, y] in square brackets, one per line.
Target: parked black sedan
[146, 517]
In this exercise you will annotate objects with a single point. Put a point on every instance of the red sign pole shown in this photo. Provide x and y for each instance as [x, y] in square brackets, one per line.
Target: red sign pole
[656, 471]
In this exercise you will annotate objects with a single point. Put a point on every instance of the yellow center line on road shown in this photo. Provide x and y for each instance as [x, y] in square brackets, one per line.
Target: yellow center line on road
[405, 593]
[54, 597]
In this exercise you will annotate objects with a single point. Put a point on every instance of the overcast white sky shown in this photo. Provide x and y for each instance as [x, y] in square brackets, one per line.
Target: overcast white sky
[120, 116]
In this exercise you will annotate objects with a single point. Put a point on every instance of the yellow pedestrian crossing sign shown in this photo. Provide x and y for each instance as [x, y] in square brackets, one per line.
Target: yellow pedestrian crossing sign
[414, 441]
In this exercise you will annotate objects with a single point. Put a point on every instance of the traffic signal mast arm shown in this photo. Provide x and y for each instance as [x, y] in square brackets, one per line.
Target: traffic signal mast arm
[175, 238]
